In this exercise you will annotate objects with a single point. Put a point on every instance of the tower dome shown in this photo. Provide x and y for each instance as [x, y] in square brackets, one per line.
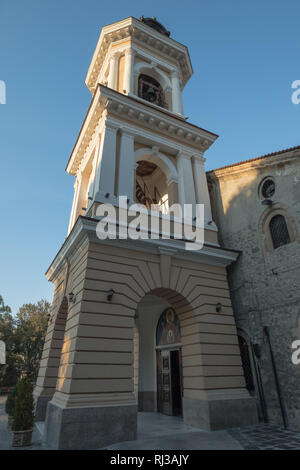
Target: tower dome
[153, 23]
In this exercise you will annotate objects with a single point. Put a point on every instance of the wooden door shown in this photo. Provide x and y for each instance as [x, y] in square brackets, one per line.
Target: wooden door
[164, 383]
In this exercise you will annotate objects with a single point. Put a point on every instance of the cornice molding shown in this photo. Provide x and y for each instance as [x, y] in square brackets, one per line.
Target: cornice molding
[256, 164]
[143, 116]
[84, 230]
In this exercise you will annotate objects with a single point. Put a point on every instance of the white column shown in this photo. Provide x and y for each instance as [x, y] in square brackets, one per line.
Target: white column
[105, 171]
[176, 94]
[201, 188]
[93, 174]
[113, 72]
[126, 165]
[128, 72]
[79, 198]
[185, 179]
[74, 204]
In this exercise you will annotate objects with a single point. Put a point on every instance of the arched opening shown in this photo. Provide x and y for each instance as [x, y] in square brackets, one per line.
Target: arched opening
[277, 228]
[151, 186]
[279, 231]
[151, 90]
[160, 372]
[169, 364]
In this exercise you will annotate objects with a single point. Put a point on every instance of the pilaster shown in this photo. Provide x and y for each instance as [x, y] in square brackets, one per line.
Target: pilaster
[105, 171]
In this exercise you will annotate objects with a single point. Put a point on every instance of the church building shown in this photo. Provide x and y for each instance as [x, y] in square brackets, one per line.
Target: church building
[139, 325]
[256, 205]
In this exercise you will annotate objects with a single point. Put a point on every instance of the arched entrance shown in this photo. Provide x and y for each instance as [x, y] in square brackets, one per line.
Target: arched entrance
[158, 351]
[169, 364]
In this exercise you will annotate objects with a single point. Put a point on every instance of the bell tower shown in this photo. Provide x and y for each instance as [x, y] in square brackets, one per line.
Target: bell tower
[100, 364]
[135, 140]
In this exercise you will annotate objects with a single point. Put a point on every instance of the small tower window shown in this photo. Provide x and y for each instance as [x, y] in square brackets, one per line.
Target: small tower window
[151, 90]
[279, 231]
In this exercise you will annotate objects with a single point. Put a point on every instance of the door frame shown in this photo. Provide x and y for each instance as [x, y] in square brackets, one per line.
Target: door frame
[169, 348]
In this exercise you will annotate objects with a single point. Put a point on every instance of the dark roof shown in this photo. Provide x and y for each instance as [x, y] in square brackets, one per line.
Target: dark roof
[257, 158]
[153, 23]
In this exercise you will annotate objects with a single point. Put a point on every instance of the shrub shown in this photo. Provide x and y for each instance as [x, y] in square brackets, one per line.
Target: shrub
[23, 416]
[10, 402]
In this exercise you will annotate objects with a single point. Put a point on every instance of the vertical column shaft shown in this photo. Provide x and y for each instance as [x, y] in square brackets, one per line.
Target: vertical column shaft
[126, 165]
[128, 72]
[176, 94]
[185, 180]
[93, 174]
[113, 72]
[105, 171]
[74, 204]
[201, 189]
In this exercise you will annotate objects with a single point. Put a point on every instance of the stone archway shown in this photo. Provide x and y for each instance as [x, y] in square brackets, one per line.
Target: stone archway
[166, 166]
[95, 393]
[161, 160]
[149, 311]
[50, 361]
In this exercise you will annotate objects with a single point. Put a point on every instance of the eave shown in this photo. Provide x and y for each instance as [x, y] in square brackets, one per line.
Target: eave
[84, 231]
[270, 159]
[141, 115]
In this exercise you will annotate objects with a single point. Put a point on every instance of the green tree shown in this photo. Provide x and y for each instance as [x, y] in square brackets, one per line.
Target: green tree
[8, 372]
[4, 308]
[23, 416]
[31, 327]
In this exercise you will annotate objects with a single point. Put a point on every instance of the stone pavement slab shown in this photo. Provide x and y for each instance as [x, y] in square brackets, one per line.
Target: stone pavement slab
[266, 437]
[159, 432]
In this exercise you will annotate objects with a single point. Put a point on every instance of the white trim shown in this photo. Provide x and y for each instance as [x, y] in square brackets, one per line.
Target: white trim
[157, 71]
[163, 162]
[136, 30]
[86, 228]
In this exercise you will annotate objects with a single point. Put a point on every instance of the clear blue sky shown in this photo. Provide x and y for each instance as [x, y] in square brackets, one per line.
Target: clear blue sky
[245, 56]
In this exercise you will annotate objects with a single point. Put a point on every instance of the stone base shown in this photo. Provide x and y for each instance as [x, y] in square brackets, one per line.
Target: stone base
[89, 427]
[220, 413]
[41, 407]
[147, 401]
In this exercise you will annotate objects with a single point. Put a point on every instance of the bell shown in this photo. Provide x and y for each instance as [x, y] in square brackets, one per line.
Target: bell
[150, 95]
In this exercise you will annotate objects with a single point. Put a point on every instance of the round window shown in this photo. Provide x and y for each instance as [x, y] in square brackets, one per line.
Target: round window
[268, 188]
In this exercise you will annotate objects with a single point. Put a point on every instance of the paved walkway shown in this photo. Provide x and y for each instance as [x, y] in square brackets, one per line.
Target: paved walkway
[160, 432]
[266, 437]
[5, 432]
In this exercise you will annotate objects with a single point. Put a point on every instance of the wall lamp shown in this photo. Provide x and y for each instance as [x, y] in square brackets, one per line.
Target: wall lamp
[72, 297]
[110, 294]
[218, 307]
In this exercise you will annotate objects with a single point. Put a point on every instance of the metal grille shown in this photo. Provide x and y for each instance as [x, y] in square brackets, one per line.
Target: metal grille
[268, 188]
[279, 231]
[151, 90]
[246, 364]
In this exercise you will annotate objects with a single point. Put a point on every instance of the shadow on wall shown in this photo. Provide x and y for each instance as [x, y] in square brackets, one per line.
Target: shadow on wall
[265, 281]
